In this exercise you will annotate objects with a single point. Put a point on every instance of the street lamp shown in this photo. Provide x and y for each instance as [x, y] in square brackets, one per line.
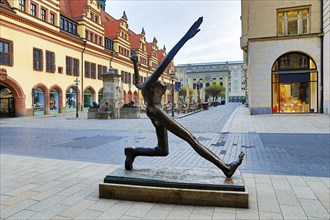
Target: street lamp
[198, 91]
[76, 82]
[82, 72]
[172, 96]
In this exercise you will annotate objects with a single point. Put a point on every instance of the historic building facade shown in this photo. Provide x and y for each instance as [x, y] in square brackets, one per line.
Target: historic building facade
[198, 76]
[53, 54]
[286, 55]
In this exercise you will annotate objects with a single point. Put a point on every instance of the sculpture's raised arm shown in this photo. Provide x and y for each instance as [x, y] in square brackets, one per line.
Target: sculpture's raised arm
[194, 29]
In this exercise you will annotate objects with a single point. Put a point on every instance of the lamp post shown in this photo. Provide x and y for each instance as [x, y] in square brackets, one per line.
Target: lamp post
[82, 74]
[76, 82]
[199, 95]
[172, 96]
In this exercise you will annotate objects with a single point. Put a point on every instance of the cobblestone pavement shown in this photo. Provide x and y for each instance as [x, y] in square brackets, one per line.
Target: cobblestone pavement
[51, 166]
[271, 153]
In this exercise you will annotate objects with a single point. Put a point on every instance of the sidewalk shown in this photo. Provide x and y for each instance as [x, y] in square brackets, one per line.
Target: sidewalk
[43, 188]
[243, 122]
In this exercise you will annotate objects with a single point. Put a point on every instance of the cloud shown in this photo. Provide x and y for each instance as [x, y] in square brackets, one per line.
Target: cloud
[168, 21]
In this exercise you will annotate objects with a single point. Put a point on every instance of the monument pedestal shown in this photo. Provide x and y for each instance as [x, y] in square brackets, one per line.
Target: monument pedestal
[185, 186]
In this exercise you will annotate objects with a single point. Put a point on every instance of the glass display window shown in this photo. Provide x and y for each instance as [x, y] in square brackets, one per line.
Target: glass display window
[294, 85]
[71, 99]
[54, 101]
[38, 101]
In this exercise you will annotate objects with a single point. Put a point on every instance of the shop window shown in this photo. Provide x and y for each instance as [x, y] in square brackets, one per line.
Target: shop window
[37, 59]
[38, 101]
[297, 61]
[293, 21]
[294, 91]
[54, 101]
[100, 95]
[6, 52]
[71, 99]
[88, 98]
[50, 62]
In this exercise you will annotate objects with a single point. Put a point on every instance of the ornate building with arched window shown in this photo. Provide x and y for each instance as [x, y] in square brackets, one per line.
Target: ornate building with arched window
[53, 54]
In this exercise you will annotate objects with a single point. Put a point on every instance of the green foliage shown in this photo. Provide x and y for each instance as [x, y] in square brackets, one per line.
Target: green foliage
[215, 91]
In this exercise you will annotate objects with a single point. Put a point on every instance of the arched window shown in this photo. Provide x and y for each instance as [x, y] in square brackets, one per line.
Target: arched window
[294, 84]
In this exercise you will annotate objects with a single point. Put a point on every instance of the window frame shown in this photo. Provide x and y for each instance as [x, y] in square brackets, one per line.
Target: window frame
[68, 65]
[43, 14]
[93, 71]
[37, 60]
[87, 69]
[300, 21]
[9, 53]
[33, 9]
[75, 67]
[52, 18]
[50, 64]
[22, 5]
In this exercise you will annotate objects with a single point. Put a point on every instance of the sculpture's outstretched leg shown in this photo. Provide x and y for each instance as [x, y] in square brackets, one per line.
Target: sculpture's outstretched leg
[180, 131]
[160, 150]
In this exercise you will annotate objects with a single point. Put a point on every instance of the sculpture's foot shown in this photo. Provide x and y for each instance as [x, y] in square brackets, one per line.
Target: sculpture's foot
[129, 158]
[234, 165]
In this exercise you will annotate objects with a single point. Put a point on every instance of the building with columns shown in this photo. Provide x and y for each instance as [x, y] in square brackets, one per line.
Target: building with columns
[198, 76]
[286, 55]
[53, 54]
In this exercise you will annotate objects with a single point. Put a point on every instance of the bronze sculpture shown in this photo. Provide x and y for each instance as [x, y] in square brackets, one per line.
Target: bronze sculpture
[152, 91]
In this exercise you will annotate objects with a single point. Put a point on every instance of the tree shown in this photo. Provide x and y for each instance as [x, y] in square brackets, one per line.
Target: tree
[183, 93]
[215, 91]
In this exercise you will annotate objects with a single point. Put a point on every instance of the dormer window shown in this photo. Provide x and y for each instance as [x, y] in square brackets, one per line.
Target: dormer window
[92, 16]
[68, 26]
[96, 19]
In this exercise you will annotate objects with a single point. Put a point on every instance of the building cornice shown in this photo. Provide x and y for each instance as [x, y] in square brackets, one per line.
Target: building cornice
[289, 37]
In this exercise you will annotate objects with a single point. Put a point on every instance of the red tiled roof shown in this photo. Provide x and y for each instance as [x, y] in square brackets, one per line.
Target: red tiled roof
[111, 28]
[149, 48]
[105, 17]
[134, 39]
[160, 55]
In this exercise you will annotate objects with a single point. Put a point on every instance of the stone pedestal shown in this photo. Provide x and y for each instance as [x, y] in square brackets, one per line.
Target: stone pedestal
[185, 186]
[130, 113]
[92, 113]
[111, 94]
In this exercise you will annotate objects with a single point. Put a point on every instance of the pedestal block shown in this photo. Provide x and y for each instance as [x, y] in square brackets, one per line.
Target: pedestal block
[186, 186]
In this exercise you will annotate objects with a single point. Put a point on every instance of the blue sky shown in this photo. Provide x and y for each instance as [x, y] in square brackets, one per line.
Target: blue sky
[168, 21]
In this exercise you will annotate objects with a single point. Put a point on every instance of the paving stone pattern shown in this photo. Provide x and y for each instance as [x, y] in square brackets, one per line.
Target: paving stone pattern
[51, 166]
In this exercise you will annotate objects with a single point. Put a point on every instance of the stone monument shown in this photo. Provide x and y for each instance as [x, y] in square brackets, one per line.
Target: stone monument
[110, 103]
